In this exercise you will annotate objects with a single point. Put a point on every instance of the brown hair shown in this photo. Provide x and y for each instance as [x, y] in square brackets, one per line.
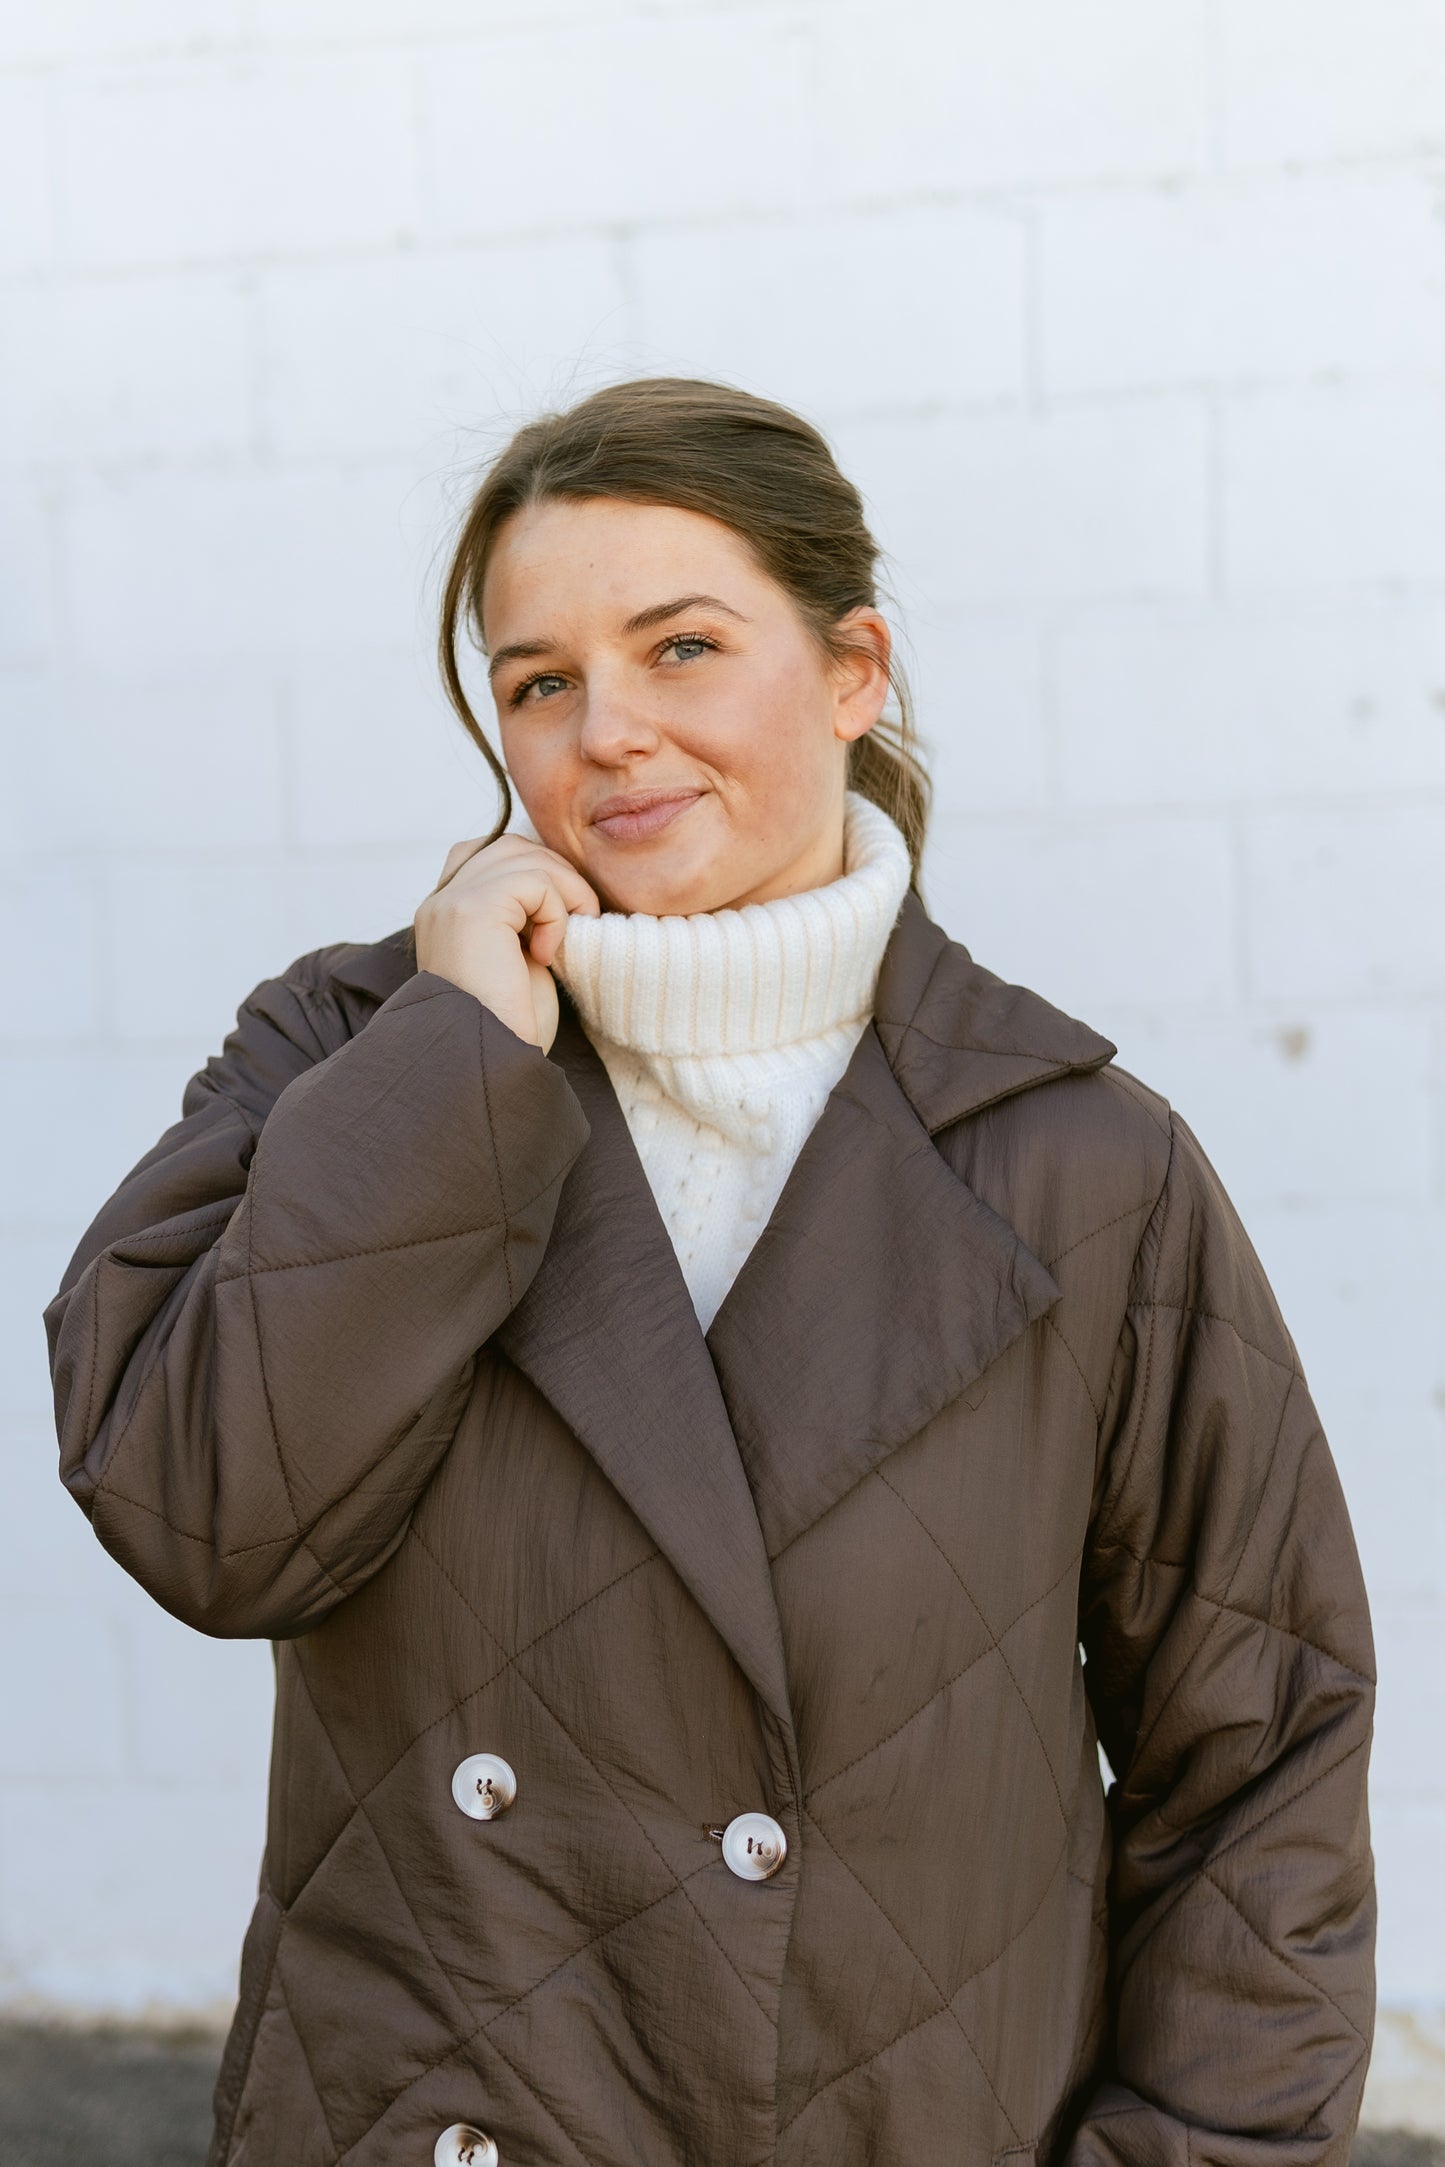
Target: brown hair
[760, 469]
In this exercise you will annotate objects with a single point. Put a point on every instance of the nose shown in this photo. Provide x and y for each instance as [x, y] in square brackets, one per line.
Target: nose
[614, 727]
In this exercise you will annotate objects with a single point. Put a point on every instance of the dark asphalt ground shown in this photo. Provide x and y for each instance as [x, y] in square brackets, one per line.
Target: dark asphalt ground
[126, 2099]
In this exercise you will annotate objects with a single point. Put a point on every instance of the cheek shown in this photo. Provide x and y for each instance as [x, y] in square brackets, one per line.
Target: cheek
[540, 766]
[773, 726]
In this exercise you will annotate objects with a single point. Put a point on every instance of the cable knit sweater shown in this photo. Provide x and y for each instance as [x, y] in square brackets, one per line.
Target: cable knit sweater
[724, 1032]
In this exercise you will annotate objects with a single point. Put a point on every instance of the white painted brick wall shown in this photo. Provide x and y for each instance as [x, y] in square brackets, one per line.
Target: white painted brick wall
[1333, 485]
[1304, 82]
[1129, 320]
[919, 305]
[1028, 505]
[519, 135]
[236, 155]
[1262, 276]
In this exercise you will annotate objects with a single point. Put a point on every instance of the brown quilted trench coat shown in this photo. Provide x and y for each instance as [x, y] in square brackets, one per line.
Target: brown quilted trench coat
[998, 1448]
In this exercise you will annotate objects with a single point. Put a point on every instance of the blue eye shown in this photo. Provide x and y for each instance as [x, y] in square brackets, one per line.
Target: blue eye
[542, 677]
[697, 640]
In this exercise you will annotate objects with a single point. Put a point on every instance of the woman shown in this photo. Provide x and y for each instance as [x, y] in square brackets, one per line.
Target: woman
[682, 1362]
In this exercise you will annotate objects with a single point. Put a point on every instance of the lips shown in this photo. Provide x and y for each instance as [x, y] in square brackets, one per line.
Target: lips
[635, 814]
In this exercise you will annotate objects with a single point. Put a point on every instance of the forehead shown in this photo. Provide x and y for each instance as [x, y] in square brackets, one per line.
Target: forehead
[593, 562]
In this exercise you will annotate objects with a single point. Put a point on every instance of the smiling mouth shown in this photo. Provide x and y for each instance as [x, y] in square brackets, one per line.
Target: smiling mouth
[630, 820]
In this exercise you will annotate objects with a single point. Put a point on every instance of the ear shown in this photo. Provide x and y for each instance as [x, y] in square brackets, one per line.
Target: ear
[862, 672]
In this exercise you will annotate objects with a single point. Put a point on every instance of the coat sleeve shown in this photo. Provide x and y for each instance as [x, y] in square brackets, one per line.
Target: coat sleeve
[263, 1343]
[1230, 1666]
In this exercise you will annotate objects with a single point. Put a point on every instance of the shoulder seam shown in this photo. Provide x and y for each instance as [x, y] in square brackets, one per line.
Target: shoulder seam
[1140, 1095]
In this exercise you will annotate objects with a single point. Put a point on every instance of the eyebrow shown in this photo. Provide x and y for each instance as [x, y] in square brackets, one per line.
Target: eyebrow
[519, 651]
[661, 611]
[524, 650]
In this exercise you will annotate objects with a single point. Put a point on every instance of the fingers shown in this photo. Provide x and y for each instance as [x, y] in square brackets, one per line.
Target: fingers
[505, 907]
[514, 856]
[546, 915]
[455, 859]
[576, 890]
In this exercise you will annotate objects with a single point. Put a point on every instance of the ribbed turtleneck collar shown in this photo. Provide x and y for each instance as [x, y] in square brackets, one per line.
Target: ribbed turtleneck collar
[751, 979]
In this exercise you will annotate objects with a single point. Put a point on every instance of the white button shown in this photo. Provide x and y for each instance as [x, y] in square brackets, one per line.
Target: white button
[483, 1785]
[754, 1846]
[463, 2146]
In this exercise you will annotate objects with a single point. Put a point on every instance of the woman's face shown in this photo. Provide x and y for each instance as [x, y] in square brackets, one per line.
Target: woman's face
[667, 719]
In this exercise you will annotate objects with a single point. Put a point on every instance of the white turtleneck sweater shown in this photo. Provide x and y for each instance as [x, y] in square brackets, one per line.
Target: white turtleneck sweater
[724, 1032]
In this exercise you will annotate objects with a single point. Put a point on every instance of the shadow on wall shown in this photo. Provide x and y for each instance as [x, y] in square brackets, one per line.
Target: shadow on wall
[135, 2100]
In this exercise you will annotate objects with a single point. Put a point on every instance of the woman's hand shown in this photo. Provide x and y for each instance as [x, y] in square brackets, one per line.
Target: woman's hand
[494, 922]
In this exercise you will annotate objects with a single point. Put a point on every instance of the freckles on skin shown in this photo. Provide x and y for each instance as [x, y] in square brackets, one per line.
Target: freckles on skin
[750, 721]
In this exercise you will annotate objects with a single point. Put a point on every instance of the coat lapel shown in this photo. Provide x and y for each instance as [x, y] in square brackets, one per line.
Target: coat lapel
[883, 1286]
[608, 1332]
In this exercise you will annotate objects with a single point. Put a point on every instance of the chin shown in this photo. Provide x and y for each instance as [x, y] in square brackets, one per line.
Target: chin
[657, 900]
[663, 893]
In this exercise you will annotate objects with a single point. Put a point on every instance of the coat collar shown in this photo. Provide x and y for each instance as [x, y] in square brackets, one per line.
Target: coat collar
[727, 1446]
[956, 1035]
[377, 967]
